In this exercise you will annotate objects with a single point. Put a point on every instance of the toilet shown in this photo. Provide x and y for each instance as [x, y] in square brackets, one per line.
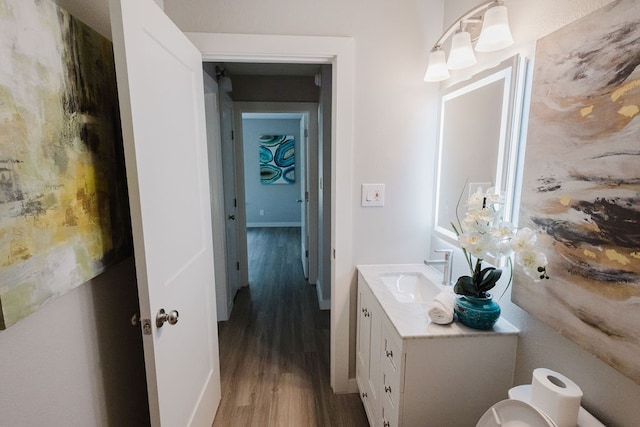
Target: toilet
[514, 413]
[517, 411]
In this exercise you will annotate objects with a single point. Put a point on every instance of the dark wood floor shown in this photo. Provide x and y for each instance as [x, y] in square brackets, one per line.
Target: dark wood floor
[274, 349]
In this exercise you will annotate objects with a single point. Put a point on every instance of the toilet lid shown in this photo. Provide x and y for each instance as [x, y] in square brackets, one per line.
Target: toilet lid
[514, 413]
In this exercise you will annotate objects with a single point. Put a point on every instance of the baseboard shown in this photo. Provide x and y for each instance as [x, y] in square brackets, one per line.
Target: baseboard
[325, 304]
[273, 224]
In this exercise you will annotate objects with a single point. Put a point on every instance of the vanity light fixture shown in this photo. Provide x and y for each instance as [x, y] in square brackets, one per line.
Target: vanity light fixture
[494, 35]
[461, 54]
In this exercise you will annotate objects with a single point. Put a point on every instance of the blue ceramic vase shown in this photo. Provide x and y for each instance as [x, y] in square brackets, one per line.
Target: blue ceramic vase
[477, 313]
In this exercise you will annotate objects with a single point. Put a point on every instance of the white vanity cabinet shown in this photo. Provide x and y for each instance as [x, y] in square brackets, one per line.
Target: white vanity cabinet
[411, 372]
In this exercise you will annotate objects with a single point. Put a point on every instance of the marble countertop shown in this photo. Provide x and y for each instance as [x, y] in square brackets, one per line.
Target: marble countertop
[411, 319]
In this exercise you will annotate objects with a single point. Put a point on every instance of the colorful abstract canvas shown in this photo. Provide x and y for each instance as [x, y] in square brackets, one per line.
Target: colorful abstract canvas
[277, 159]
[581, 184]
[64, 213]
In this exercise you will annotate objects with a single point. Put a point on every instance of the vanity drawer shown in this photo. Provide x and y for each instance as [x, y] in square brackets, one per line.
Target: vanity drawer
[389, 412]
[391, 347]
[391, 384]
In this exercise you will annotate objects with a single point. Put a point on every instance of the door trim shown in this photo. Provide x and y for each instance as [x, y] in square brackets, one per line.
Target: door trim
[308, 113]
[340, 53]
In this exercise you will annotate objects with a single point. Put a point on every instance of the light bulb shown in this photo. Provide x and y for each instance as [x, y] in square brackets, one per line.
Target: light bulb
[437, 70]
[495, 34]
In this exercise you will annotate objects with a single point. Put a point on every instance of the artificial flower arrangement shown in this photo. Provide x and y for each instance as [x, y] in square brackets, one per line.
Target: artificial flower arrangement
[483, 233]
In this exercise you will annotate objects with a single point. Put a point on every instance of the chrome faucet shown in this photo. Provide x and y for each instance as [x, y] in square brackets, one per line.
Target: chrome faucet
[447, 264]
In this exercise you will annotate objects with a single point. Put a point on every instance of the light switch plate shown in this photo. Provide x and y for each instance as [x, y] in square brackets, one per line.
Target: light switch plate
[372, 194]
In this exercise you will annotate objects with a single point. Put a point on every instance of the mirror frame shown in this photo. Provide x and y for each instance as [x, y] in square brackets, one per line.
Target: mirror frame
[511, 73]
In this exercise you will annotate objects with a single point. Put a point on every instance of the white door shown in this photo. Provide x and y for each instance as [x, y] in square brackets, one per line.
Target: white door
[218, 222]
[162, 106]
[301, 174]
[230, 197]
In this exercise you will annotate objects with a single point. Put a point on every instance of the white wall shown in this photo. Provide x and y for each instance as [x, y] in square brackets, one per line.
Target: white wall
[609, 395]
[278, 202]
[77, 361]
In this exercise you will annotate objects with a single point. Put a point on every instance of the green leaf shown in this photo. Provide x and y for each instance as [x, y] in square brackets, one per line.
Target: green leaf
[489, 277]
[466, 286]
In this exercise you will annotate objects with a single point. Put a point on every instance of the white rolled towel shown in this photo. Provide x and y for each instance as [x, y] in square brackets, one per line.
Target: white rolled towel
[441, 308]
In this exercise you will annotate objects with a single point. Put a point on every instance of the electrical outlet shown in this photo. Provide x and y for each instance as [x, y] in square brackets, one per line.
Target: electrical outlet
[261, 212]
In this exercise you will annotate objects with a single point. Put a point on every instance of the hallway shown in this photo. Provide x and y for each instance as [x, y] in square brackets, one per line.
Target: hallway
[274, 349]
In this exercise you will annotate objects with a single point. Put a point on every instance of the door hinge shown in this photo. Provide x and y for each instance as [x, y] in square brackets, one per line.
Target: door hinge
[146, 326]
[334, 254]
[235, 203]
[233, 135]
[306, 196]
[306, 253]
[306, 132]
[238, 266]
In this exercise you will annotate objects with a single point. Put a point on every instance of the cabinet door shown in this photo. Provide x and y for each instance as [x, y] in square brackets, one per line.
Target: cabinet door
[363, 339]
[375, 354]
[368, 353]
[363, 349]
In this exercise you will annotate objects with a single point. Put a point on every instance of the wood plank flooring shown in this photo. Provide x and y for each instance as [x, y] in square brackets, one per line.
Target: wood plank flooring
[274, 349]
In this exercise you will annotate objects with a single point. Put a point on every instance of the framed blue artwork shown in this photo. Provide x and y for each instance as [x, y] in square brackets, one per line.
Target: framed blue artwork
[277, 159]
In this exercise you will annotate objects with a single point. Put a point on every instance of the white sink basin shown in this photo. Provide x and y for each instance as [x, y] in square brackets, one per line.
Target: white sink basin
[410, 287]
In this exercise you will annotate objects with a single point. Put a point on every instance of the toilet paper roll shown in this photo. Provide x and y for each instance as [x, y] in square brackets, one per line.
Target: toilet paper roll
[557, 396]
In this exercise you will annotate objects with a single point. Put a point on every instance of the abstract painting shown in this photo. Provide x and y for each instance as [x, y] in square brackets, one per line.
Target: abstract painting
[581, 184]
[64, 214]
[277, 159]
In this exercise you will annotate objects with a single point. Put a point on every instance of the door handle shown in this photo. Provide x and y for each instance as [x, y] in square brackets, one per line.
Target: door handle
[163, 316]
[232, 217]
[299, 200]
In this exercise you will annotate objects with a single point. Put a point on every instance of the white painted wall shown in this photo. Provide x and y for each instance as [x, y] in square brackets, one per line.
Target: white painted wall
[278, 202]
[77, 361]
[609, 395]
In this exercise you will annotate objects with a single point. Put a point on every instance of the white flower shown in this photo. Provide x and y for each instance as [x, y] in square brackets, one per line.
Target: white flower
[523, 239]
[476, 201]
[504, 248]
[532, 261]
[474, 223]
[469, 239]
[504, 230]
[493, 198]
[477, 244]
[486, 216]
[484, 233]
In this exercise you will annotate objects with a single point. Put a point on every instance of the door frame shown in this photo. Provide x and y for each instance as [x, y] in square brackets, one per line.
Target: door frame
[308, 116]
[340, 53]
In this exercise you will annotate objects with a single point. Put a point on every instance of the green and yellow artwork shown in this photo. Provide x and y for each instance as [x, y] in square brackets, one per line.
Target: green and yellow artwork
[63, 200]
[277, 159]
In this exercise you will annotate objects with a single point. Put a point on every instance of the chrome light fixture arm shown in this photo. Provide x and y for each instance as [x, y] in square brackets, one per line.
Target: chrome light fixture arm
[473, 15]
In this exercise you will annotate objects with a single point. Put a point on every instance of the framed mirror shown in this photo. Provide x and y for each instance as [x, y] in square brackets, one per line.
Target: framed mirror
[479, 130]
